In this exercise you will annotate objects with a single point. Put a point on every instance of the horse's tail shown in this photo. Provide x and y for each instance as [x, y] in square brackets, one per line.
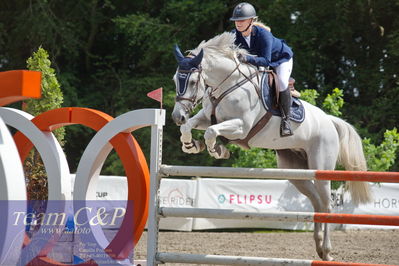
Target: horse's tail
[351, 156]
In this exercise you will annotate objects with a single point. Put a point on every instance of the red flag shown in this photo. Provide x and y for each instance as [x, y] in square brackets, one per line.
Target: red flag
[156, 95]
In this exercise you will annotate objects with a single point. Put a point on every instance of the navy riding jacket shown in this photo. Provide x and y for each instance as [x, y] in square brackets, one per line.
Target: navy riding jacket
[269, 50]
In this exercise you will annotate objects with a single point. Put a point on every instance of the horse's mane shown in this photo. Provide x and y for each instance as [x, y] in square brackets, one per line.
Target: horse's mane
[220, 45]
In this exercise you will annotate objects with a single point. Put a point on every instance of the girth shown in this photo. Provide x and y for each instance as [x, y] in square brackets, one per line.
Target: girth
[258, 127]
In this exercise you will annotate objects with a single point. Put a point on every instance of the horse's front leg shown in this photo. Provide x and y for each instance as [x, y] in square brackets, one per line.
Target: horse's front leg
[231, 129]
[190, 145]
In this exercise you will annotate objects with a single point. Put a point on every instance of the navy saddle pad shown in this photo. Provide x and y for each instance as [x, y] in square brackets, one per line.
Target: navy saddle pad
[268, 96]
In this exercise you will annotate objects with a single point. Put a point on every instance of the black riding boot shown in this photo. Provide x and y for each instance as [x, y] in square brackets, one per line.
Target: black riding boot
[285, 107]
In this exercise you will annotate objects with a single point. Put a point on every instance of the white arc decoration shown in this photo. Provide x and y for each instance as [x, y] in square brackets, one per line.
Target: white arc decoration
[12, 193]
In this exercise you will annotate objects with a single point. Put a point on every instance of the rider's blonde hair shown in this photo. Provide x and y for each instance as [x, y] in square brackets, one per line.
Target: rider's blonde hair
[261, 24]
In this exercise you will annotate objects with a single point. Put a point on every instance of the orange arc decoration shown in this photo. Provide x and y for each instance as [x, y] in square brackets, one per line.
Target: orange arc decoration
[18, 85]
[132, 158]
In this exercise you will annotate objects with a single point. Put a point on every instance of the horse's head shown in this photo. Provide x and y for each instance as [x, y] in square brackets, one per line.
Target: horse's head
[190, 86]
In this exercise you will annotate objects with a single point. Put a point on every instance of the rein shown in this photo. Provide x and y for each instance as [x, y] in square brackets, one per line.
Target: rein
[228, 76]
[215, 101]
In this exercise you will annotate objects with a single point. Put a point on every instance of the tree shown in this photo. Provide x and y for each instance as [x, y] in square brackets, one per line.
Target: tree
[52, 98]
[383, 156]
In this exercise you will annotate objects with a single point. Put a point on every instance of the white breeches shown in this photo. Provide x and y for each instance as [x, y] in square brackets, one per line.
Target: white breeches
[283, 72]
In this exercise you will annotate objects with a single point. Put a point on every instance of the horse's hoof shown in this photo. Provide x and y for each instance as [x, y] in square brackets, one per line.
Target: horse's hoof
[324, 257]
[226, 154]
[214, 154]
[200, 144]
[320, 253]
[194, 146]
[219, 152]
[328, 258]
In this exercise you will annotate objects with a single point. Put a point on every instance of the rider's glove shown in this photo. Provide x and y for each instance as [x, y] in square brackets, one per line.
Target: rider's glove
[242, 58]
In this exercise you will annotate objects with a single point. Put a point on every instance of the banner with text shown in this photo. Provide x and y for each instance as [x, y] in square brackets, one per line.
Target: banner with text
[252, 195]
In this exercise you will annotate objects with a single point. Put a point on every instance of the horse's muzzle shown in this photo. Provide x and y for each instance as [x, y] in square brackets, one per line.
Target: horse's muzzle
[179, 117]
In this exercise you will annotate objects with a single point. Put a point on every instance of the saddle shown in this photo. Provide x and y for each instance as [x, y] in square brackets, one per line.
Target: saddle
[270, 92]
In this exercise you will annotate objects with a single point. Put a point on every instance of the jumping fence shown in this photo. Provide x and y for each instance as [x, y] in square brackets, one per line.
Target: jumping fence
[158, 170]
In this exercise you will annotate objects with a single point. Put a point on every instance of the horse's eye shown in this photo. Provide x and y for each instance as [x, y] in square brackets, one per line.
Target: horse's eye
[192, 82]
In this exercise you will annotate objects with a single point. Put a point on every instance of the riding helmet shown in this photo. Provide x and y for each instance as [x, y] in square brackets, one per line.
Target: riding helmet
[243, 11]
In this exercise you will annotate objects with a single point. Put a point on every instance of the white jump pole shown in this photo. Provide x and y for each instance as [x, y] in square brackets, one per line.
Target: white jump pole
[282, 174]
[233, 214]
[227, 260]
[212, 171]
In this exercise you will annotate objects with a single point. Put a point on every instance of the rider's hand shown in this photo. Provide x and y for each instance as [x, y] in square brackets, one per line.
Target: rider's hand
[242, 58]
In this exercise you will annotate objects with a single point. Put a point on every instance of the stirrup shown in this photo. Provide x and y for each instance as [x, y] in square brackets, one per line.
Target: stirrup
[285, 129]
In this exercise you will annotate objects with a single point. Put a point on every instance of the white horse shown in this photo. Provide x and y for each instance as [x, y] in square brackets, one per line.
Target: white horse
[210, 74]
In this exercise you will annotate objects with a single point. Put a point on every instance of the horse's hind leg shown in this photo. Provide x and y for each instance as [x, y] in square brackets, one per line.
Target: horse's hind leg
[324, 157]
[292, 160]
[324, 190]
[308, 188]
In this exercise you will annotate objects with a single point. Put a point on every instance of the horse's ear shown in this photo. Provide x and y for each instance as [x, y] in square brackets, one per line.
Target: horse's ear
[197, 60]
[179, 56]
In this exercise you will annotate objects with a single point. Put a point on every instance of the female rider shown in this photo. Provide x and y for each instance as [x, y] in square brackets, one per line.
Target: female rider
[266, 51]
